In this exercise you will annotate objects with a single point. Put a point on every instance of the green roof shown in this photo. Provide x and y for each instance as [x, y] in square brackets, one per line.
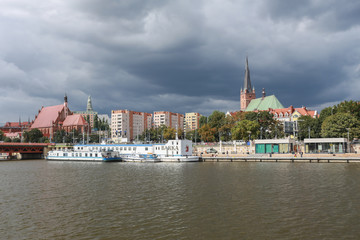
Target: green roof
[264, 104]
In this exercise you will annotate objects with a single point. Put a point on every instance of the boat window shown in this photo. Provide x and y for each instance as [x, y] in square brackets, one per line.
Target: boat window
[134, 148]
[90, 154]
[120, 148]
[95, 154]
[85, 154]
[146, 149]
[57, 154]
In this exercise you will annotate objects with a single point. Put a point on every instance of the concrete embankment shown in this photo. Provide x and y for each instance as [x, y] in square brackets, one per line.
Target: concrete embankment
[309, 158]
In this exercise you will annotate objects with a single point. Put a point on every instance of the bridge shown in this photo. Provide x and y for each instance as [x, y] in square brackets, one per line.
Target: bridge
[24, 150]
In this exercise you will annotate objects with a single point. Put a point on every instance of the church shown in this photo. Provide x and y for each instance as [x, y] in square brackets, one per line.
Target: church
[248, 100]
[59, 117]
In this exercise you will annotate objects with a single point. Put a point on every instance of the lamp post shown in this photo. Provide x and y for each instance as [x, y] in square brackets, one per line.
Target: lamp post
[309, 131]
[348, 138]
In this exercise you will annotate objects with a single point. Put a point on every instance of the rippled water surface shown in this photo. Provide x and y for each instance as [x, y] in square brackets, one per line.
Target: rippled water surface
[72, 200]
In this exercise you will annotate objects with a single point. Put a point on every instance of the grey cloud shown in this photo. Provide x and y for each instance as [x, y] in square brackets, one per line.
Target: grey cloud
[176, 55]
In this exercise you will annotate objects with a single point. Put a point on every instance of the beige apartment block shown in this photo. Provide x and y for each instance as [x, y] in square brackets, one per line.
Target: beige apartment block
[127, 124]
[192, 121]
[169, 119]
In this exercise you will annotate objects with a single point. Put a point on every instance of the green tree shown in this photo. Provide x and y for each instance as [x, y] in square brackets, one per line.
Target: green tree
[193, 135]
[96, 122]
[207, 133]
[1, 135]
[16, 140]
[216, 120]
[306, 123]
[245, 130]
[34, 135]
[338, 125]
[326, 112]
[202, 121]
[7, 139]
[352, 107]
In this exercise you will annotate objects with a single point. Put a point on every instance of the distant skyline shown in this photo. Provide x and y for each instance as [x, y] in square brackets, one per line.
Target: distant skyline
[179, 55]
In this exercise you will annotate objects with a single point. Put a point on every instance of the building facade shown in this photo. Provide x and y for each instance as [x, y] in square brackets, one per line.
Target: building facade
[169, 119]
[192, 121]
[128, 125]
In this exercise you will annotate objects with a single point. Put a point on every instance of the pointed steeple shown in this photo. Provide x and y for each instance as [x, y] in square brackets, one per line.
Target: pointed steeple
[247, 82]
[89, 105]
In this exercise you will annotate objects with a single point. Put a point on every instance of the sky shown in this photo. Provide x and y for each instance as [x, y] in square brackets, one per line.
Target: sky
[179, 55]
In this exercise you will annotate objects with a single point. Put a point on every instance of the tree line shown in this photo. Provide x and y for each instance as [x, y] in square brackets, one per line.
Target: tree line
[338, 121]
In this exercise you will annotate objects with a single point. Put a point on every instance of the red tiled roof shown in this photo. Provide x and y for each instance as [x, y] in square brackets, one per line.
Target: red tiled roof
[16, 124]
[46, 116]
[74, 120]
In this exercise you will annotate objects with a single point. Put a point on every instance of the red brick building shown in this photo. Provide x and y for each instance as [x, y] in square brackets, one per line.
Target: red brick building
[55, 118]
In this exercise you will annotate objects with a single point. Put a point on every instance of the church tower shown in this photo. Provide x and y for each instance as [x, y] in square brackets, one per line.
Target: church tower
[89, 105]
[246, 94]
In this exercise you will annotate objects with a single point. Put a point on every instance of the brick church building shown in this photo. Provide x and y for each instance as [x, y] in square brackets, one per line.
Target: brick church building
[59, 117]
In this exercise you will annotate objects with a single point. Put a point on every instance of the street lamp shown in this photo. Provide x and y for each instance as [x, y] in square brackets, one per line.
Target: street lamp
[348, 138]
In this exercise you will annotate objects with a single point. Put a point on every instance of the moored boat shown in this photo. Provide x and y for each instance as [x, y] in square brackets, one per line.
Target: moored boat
[91, 156]
[141, 158]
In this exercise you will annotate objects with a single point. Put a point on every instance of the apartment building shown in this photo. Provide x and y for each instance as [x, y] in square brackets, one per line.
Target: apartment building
[192, 121]
[169, 119]
[126, 125]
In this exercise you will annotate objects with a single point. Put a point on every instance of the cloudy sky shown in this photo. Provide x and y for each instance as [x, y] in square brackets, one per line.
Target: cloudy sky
[178, 55]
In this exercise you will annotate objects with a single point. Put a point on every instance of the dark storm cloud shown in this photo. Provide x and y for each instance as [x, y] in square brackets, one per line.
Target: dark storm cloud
[179, 56]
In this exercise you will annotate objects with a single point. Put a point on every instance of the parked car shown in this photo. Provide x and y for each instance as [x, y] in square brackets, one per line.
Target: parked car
[211, 150]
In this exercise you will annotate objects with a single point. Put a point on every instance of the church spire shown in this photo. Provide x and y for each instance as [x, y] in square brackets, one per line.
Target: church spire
[89, 105]
[247, 82]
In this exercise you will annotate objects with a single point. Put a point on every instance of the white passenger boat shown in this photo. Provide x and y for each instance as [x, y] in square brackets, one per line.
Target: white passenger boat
[90, 156]
[172, 151]
[141, 158]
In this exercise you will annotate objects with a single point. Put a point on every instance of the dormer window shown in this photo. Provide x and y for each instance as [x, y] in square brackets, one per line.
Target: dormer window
[281, 115]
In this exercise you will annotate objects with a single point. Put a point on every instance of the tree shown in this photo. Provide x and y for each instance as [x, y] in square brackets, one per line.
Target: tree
[326, 112]
[193, 135]
[306, 123]
[34, 135]
[245, 130]
[207, 133]
[16, 140]
[7, 139]
[339, 124]
[1, 135]
[169, 133]
[268, 127]
[202, 121]
[352, 107]
[96, 122]
[216, 120]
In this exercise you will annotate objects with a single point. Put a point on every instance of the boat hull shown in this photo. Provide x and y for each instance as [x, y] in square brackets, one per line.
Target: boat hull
[179, 159]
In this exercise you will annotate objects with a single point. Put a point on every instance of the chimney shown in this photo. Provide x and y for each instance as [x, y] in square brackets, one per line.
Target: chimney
[263, 93]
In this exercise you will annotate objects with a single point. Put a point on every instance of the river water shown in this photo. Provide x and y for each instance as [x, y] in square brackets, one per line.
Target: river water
[74, 200]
